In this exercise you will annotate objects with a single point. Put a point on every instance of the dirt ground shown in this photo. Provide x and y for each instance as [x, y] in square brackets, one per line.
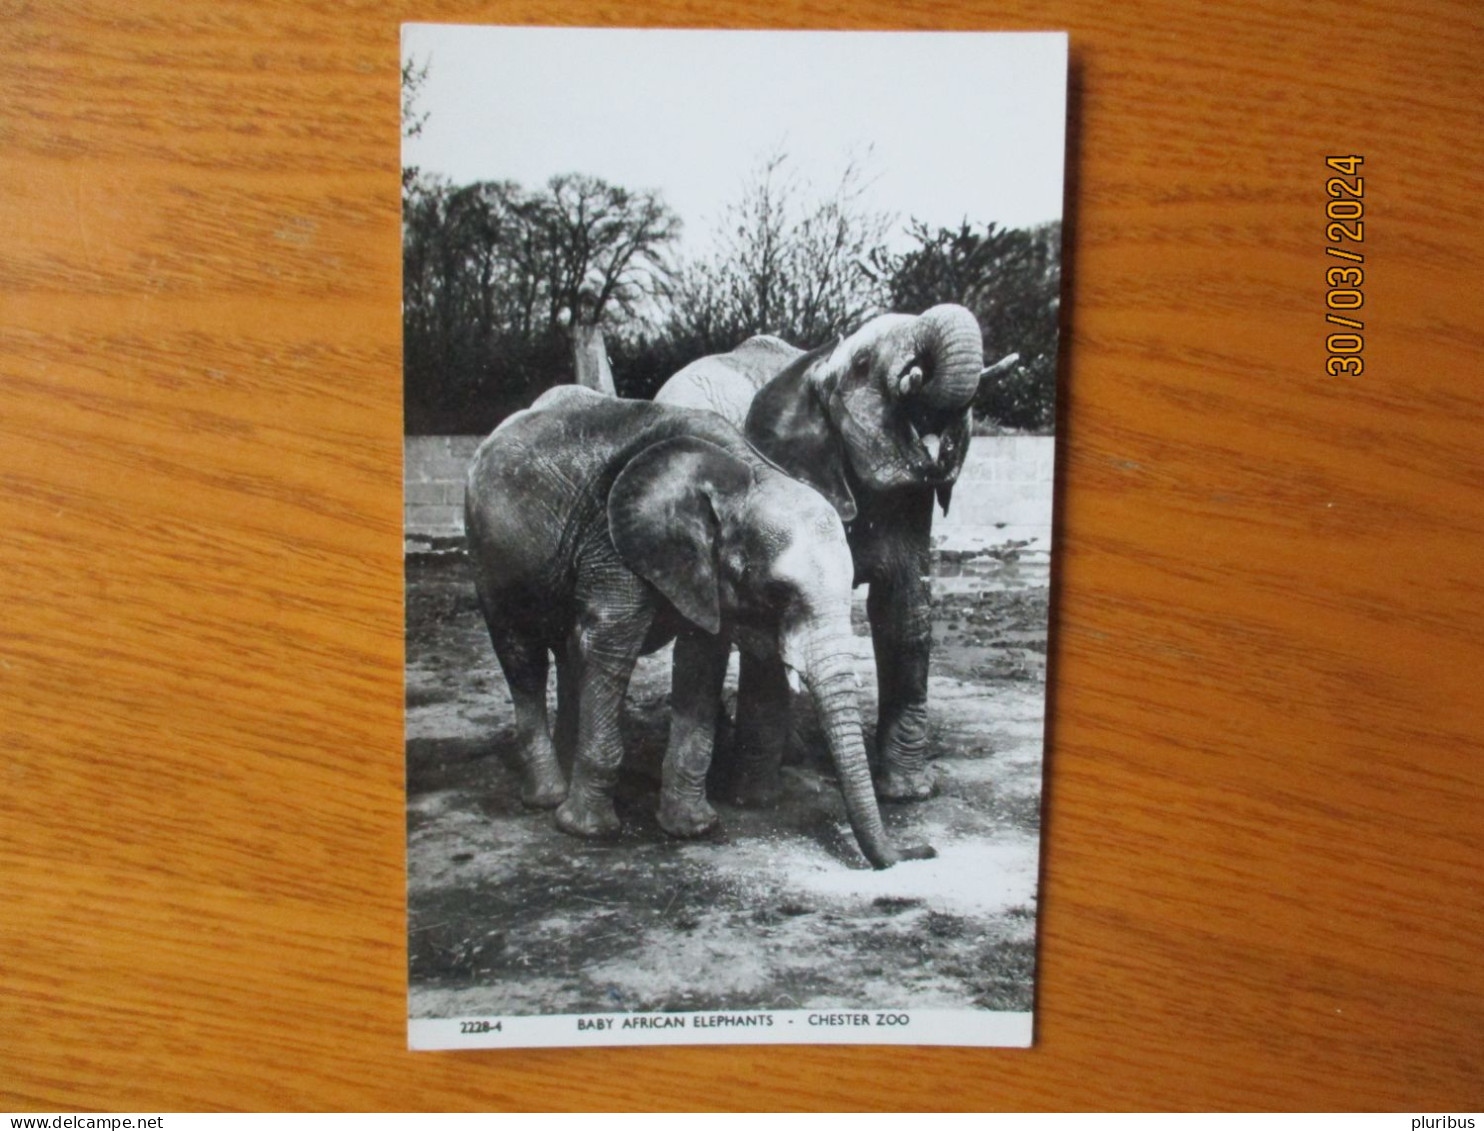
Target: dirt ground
[778, 909]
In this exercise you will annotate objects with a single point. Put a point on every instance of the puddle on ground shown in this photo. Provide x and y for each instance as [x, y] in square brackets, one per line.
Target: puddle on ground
[1020, 563]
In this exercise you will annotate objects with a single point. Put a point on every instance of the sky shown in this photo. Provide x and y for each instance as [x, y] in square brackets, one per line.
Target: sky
[950, 126]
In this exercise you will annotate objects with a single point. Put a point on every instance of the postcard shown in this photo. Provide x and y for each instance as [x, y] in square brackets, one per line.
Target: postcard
[729, 393]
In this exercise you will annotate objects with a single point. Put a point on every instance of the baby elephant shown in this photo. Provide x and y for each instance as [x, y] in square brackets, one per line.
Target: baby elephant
[602, 528]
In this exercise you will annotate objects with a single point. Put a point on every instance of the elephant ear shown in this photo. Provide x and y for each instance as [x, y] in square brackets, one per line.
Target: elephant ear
[818, 459]
[664, 516]
[795, 432]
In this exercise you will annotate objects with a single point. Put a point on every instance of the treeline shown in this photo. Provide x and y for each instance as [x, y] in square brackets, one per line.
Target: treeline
[495, 275]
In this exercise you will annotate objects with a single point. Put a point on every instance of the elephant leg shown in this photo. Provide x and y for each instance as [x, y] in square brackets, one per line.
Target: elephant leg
[763, 709]
[695, 700]
[609, 635]
[902, 633]
[523, 660]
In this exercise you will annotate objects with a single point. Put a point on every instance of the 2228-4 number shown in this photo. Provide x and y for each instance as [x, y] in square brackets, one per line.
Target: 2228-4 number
[480, 1027]
[1344, 210]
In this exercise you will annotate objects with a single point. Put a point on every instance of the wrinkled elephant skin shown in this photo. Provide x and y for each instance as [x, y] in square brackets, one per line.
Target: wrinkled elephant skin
[599, 529]
[879, 423]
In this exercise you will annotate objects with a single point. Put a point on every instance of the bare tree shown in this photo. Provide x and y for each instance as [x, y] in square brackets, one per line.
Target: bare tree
[756, 241]
[414, 75]
[605, 246]
[832, 244]
[500, 284]
[788, 261]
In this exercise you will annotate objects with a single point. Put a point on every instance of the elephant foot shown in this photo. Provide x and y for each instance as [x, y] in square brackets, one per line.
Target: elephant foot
[596, 819]
[896, 784]
[906, 852]
[686, 817]
[547, 793]
[755, 790]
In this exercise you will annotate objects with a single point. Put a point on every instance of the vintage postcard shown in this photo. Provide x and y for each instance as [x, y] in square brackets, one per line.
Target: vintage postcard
[730, 365]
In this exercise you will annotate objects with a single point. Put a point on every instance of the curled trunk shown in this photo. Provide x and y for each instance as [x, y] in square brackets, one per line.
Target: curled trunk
[950, 337]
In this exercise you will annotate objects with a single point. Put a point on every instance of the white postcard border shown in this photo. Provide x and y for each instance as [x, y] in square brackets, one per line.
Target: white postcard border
[988, 1029]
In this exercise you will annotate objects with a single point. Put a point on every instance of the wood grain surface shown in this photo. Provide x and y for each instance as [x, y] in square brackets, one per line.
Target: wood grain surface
[1263, 856]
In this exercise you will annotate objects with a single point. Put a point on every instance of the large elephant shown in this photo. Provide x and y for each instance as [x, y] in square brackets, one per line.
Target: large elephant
[879, 423]
[599, 529]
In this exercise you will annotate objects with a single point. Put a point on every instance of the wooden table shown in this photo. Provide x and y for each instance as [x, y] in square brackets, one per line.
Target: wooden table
[1263, 866]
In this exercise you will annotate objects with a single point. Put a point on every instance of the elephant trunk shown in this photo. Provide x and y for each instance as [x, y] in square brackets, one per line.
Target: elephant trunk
[829, 673]
[951, 342]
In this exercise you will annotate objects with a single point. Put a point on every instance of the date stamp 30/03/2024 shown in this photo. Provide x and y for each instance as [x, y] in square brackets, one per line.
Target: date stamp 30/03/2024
[1344, 225]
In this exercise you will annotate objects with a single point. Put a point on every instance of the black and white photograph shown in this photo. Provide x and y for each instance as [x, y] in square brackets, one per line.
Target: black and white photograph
[730, 365]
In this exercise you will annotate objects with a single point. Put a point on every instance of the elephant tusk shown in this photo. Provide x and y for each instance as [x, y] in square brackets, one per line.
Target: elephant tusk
[1001, 367]
[794, 684]
[932, 443]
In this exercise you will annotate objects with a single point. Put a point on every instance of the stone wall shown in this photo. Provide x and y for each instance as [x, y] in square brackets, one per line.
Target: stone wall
[1003, 493]
[433, 469]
